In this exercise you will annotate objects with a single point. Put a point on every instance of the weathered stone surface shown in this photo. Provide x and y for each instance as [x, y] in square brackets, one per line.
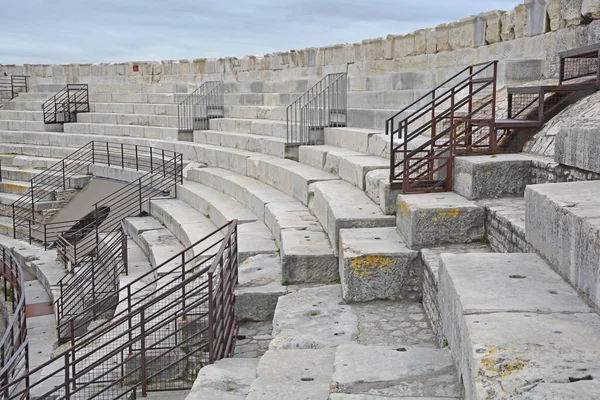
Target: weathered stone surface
[512, 323]
[293, 375]
[375, 264]
[313, 318]
[307, 257]
[563, 224]
[259, 287]
[577, 145]
[438, 218]
[388, 371]
[229, 378]
[481, 177]
[505, 225]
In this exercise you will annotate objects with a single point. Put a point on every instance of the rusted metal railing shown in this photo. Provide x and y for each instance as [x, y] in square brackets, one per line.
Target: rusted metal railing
[167, 327]
[14, 348]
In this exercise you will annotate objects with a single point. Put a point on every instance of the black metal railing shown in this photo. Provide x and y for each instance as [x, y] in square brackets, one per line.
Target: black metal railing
[457, 118]
[170, 326]
[202, 105]
[323, 105]
[29, 224]
[12, 85]
[66, 104]
[95, 254]
[14, 348]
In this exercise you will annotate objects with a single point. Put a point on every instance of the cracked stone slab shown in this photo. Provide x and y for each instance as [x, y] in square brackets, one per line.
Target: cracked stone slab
[395, 372]
[313, 318]
[226, 379]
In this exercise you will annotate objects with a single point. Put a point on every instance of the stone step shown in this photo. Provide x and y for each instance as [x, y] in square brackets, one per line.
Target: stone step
[306, 254]
[14, 187]
[189, 224]
[313, 318]
[339, 205]
[8, 149]
[28, 162]
[164, 121]
[158, 243]
[262, 127]
[299, 85]
[27, 96]
[6, 115]
[561, 224]
[150, 98]
[277, 113]
[349, 165]
[438, 218]
[516, 329]
[29, 105]
[135, 108]
[124, 87]
[393, 373]
[35, 126]
[260, 99]
[293, 375]
[226, 379]
[259, 288]
[486, 177]
[384, 98]
[6, 226]
[268, 145]
[149, 132]
[375, 264]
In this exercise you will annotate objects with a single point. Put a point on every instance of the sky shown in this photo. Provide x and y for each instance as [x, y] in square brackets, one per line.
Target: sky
[93, 31]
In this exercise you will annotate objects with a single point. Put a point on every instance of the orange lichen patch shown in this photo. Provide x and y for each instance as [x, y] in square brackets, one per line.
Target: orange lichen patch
[366, 265]
[403, 207]
[450, 213]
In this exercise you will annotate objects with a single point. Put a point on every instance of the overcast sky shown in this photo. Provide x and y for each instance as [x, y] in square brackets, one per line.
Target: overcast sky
[69, 31]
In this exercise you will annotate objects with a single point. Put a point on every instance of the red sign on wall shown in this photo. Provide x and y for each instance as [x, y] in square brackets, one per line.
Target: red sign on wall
[136, 68]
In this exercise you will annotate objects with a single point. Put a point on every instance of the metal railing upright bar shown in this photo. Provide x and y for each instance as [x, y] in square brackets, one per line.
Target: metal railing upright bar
[170, 326]
[323, 105]
[202, 105]
[14, 348]
[66, 104]
[12, 85]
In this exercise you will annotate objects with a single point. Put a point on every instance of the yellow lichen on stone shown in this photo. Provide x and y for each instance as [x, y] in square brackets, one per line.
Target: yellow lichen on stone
[403, 207]
[366, 265]
[496, 362]
[450, 213]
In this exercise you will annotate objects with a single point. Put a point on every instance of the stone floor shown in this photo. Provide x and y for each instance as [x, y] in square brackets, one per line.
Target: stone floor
[388, 323]
[253, 339]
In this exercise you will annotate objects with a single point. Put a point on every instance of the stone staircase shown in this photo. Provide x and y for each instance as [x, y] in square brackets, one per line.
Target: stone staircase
[364, 304]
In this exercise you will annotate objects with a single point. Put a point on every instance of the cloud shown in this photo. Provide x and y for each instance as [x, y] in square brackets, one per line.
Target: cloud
[68, 31]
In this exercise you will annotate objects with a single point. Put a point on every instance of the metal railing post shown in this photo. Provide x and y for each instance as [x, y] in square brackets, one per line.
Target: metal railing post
[143, 352]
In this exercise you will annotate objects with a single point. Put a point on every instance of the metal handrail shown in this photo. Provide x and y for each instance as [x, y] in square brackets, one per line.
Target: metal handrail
[14, 349]
[470, 125]
[58, 177]
[66, 104]
[13, 84]
[203, 104]
[323, 105]
[187, 317]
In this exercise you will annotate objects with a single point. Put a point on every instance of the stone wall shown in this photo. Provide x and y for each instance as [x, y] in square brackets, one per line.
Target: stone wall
[535, 30]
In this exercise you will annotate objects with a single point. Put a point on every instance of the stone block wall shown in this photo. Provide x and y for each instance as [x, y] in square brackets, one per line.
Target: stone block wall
[534, 30]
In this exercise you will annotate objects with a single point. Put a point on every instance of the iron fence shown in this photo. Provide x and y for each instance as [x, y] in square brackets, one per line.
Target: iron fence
[12, 85]
[323, 105]
[580, 64]
[14, 348]
[170, 326]
[66, 104]
[202, 105]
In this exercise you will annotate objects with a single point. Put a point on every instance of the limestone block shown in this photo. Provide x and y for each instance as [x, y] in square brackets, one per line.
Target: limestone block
[461, 34]
[493, 26]
[442, 39]
[523, 70]
[420, 42]
[333, 55]
[578, 145]
[520, 21]
[590, 9]
[403, 45]
[375, 264]
[571, 12]
[373, 49]
[313, 318]
[554, 15]
[482, 177]
[438, 218]
[507, 24]
[536, 17]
